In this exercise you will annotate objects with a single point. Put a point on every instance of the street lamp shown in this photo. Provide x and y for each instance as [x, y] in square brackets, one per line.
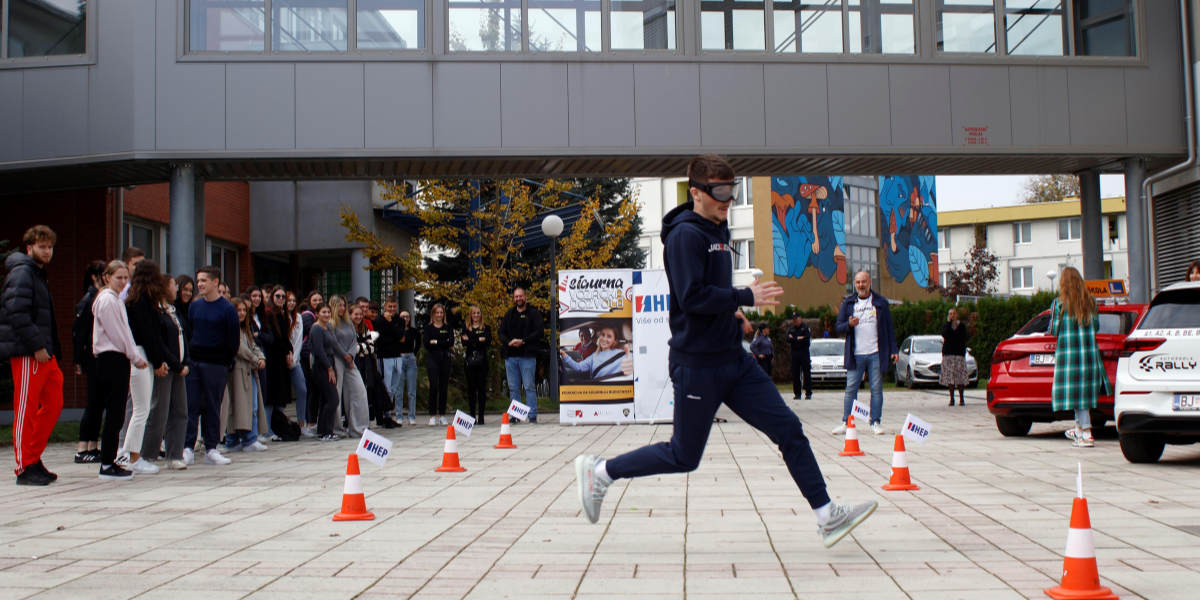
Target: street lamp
[1051, 274]
[552, 227]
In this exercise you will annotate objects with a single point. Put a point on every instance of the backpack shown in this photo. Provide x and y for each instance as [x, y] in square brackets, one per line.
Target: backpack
[287, 429]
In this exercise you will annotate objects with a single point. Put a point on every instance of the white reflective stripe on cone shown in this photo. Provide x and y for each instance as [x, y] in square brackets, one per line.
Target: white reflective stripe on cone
[353, 484]
[899, 460]
[451, 446]
[505, 428]
[1079, 544]
[852, 434]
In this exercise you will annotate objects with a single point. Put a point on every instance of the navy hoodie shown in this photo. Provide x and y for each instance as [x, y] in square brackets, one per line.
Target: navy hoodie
[705, 332]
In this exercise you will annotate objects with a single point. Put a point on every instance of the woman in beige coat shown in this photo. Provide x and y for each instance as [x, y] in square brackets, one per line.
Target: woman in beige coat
[245, 407]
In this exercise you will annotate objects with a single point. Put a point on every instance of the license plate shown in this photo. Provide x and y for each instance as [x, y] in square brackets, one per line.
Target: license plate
[1186, 402]
[1041, 360]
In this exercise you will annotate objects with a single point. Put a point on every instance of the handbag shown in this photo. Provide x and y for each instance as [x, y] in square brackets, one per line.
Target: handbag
[476, 358]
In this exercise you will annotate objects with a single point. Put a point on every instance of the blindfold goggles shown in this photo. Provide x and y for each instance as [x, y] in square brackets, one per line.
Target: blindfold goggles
[721, 191]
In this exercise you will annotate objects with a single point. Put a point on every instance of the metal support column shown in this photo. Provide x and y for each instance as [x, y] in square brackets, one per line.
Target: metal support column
[1139, 231]
[200, 242]
[1091, 225]
[360, 277]
[183, 220]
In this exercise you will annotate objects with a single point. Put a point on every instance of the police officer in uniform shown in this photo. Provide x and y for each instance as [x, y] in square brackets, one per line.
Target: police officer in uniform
[799, 337]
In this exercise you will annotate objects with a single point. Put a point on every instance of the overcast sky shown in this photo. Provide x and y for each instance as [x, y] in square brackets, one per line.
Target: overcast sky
[966, 192]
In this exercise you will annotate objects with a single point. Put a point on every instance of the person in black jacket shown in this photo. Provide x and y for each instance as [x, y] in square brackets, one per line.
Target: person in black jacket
[954, 373]
[477, 339]
[799, 337]
[168, 420]
[29, 339]
[147, 294]
[439, 342]
[187, 292]
[276, 378]
[88, 450]
[520, 332]
[398, 347]
[308, 316]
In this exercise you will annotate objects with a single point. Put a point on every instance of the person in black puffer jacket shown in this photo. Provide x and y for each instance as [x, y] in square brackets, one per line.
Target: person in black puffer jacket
[85, 363]
[29, 338]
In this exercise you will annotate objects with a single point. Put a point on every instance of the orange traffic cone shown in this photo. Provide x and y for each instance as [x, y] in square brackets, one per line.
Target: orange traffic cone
[505, 434]
[450, 455]
[1080, 578]
[354, 504]
[900, 480]
[851, 448]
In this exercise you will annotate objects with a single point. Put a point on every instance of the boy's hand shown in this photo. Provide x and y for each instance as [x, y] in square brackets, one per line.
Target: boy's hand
[765, 293]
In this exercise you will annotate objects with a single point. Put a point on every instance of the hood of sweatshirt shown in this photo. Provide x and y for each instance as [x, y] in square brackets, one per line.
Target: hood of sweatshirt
[686, 213]
[17, 259]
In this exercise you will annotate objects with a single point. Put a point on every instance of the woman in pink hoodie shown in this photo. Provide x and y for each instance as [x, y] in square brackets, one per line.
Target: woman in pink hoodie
[115, 350]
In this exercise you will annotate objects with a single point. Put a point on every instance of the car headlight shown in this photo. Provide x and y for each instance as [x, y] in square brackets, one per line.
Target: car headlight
[922, 363]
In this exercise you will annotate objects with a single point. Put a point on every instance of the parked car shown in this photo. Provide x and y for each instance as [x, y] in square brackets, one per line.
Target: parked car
[1158, 376]
[1022, 380]
[828, 360]
[920, 362]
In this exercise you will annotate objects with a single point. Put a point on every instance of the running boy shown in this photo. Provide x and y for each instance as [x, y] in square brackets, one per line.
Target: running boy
[708, 365]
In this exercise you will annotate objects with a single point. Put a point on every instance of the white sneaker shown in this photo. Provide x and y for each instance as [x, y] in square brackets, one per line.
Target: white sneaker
[839, 430]
[432, 421]
[255, 447]
[590, 486]
[308, 433]
[842, 519]
[877, 429]
[143, 467]
[189, 457]
[412, 421]
[122, 461]
[442, 421]
[213, 457]
[177, 465]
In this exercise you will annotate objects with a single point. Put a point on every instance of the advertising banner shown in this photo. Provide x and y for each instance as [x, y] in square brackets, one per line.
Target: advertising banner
[653, 394]
[596, 341]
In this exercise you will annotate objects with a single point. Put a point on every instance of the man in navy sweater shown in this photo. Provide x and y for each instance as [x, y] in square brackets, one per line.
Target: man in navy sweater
[708, 365]
[215, 343]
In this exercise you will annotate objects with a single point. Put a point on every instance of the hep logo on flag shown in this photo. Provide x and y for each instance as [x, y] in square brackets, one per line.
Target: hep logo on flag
[655, 303]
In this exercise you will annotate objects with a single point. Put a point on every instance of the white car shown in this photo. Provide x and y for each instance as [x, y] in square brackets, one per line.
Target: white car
[920, 362]
[828, 360]
[1158, 376]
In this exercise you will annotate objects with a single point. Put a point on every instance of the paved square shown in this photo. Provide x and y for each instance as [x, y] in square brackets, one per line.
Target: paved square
[990, 520]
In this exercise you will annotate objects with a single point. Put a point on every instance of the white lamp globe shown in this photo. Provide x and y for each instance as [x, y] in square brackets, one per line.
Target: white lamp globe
[1051, 274]
[552, 226]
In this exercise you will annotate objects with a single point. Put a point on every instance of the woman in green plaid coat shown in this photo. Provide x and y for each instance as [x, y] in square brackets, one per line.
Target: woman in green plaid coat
[1079, 376]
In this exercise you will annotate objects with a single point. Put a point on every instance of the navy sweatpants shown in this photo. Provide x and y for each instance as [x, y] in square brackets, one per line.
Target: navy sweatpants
[750, 394]
[205, 389]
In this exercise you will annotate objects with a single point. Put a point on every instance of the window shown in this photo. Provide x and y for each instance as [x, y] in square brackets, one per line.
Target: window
[1114, 228]
[485, 25]
[944, 239]
[41, 28]
[1068, 229]
[732, 25]
[1035, 28]
[1022, 278]
[882, 27]
[643, 25]
[813, 26]
[306, 25]
[141, 237]
[1105, 28]
[861, 211]
[1022, 233]
[225, 258]
[944, 278]
[966, 26]
[861, 258]
[564, 25]
[745, 254]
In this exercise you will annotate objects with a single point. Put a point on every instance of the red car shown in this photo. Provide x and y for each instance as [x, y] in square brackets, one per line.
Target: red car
[1019, 391]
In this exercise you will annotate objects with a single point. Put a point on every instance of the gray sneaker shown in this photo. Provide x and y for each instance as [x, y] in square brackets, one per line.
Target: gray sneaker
[842, 519]
[591, 487]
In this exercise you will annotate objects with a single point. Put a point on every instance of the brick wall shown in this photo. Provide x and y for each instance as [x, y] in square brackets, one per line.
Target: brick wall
[150, 202]
[83, 221]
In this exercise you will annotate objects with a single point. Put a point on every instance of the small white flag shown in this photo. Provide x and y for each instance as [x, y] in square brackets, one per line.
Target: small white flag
[374, 447]
[916, 430]
[518, 411]
[861, 412]
[1079, 481]
[463, 423]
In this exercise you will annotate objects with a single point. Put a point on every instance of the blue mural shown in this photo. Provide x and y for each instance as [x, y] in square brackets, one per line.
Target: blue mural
[808, 227]
[909, 232]
[807, 219]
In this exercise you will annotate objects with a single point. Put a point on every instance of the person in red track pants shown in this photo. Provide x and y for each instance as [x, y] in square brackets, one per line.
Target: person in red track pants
[29, 339]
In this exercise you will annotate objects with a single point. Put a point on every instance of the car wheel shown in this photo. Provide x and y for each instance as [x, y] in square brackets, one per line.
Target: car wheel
[908, 380]
[1142, 447]
[1013, 426]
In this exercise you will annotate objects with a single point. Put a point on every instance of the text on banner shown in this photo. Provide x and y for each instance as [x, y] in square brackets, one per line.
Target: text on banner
[463, 423]
[374, 447]
[916, 430]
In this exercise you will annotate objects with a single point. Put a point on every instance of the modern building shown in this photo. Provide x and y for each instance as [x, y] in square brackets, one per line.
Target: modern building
[1032, 240]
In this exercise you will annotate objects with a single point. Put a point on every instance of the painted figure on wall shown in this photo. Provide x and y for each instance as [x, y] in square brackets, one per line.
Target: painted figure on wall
[910, 243]
[807, 219]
